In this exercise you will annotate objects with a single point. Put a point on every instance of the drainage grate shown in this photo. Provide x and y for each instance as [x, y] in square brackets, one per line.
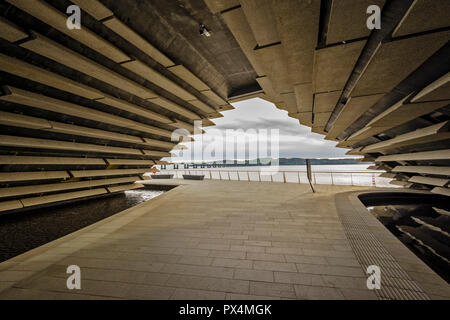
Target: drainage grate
[395, 282]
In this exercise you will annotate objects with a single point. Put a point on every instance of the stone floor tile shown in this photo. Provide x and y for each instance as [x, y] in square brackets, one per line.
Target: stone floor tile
[208, 283]
[233, 263]
[317, 293]
[191, 294]
[272, 289]
[256, 275]
[274, 266]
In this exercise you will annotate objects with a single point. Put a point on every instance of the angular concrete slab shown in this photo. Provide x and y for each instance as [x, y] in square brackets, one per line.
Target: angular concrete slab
[157, 78]
[137, 40]
[239, 27]
[304, 96]
[348, 20]
[354, 108]
[437, 90]
[298, 26]
[291, 102]
[401, 113]
[183, 73]
[321, 119]
[29, 202]
[261, 19]
[61, 54]
[220, 5]
[395, 60]
[172, 106]
[325, 102]
[95, 8]
[31, 72]
[214, 97]
[10, 31]
[274, 62]
[55, 18]
[424, 15]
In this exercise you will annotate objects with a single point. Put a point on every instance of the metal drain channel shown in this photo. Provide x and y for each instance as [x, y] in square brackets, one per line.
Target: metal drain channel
[396, 284]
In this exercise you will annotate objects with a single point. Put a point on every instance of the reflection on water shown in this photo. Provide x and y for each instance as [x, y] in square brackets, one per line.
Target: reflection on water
[23, 231]
[134, 197]
[424, 229]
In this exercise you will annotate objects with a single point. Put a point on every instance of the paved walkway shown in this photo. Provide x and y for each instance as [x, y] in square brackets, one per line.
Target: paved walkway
[217, 240]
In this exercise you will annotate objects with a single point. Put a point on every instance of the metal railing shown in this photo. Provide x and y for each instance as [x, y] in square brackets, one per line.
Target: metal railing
[353, 178]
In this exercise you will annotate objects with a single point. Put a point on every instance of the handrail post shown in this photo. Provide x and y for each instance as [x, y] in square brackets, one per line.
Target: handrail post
[298, 173]
[284, 176]
[229, 177]
[332, 181]
[259, 175]
[239, 178]
[248, 176]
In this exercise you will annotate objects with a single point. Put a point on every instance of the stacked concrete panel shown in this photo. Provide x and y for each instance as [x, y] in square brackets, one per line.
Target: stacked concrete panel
[383, 93]
[80, 115]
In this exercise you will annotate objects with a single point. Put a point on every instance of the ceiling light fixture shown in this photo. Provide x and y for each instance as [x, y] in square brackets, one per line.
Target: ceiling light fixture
[204, 31]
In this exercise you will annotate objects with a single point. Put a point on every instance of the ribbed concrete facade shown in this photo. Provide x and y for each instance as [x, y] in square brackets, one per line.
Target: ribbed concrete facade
[95, 107]
[384, 94]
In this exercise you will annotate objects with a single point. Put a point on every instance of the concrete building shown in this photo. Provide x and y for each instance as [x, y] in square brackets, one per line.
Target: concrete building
[85, 112]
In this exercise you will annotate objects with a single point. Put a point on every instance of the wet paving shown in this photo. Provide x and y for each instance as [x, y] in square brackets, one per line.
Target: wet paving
[23, 231]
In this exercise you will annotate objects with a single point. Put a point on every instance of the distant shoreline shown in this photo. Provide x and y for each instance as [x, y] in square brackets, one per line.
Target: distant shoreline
[281, 162]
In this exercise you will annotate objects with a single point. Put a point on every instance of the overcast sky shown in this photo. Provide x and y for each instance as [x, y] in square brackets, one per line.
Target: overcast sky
[284, 136]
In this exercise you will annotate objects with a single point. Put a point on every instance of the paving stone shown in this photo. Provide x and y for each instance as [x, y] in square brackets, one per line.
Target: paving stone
[208, 283]
[272, 289]
[234, 296]
[29, 294]
[219, 272]
[345, 282]
[190, 294]
[213, 246]
[147, 292]
[195, 260]
[354, 294]
[278, 250]
[227, 254]
[9, 275]
[256, 275]
[330, 270]
[247, 248]
[5, 285]
[295, 246]
[299, 278]
[306, 259]
[233, 263]
[317, 293]
[274, 266]
[347, 262]
[265, 257]
[192, 252]
[257, 243]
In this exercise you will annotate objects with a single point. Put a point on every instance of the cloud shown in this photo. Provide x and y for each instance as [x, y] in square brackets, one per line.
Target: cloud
[257, 115]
